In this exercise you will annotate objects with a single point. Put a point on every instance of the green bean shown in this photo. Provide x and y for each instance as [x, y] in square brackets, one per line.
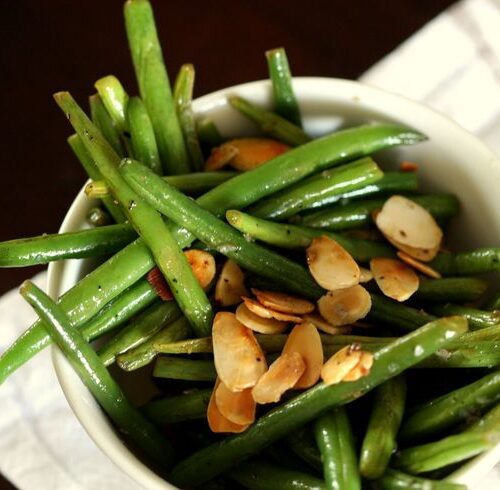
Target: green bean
[336, 445]
[448, 410]
[139, 330]
[145, 353]
[217, 234]
[298, 237]
[154, 85]
[142, 135]
[96, 377]
[358, 213]
[388, 362]
[88, 164]
[396, 480]
[270, 123]
[183, 97]
[318, 189]
[285, 102]
[487, 333]
[302, 443]
[208, 133]
[184, 369]
[98, 217]
[470, 355]
[476, 318]
[115, 100]
[111, 278]
[380, 438]
[459, 289]
[43, 249]
[259, 475]
[474, 262]
[178, 408]
[163, 245]
[493, 303]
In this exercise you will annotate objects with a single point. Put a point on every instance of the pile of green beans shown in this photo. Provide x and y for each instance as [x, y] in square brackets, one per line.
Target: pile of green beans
[145, 156]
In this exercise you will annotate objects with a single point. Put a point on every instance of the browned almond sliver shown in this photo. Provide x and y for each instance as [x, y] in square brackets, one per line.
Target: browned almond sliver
[394, 278]
[230, 285]
[216, 421]
[345, 306]
[340, 364]
[321, 324]
[282, 375]
[361, 369]
[419, 266]
[365, 275]
[331, 265]
[264, 312]
[305, 340]
[423, 254]
[236, 406]
[159, 284]
[283, 302]
[203, 265]
[257, 323]
[253, 152]
[239, 360]
[407, 223]
[221, 156]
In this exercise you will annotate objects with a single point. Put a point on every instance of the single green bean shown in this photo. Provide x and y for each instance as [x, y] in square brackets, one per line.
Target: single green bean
[154, 85]
[396, 480]
[183, 97]
[208, 133]
[43, 249]
[142, 135]
[184, 369]
[303, 444]
[96, 377]
[178, 408]
[139, 330]
[458, 289]
[380, 439]
[388, 362]
[145, 353]
[285, 102]
[98, 217]
[476, 318]
[270, 123]
[115, 100]
[477, 261]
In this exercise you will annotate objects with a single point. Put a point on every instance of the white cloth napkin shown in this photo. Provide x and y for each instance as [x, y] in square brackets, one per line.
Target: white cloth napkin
[452, 64]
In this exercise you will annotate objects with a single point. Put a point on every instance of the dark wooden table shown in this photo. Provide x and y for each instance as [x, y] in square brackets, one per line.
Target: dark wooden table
[50, 46]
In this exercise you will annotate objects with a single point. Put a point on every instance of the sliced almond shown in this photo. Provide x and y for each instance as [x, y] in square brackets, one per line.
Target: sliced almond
[253, 152]
[361, 369]
[281, 376]
[394, 278]
[264, 312]
[239, 360]
[216, 421]
[230, 285]
[305, 340]
[220, 157]
[345, 306]
[321, 324]
[159, 284]
[341, 364]
[365, 275]
[237, 406]
[331, 265]
[408, 166]
[203, 265]
[419, 266]
[257, 323]
[283, 302]
[423, 254]
[407, 223]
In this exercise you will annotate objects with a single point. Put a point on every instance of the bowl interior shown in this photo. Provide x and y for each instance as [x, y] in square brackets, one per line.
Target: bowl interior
[451, 160]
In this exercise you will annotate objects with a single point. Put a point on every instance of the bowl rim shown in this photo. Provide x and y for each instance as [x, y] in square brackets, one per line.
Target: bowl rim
[108, 441]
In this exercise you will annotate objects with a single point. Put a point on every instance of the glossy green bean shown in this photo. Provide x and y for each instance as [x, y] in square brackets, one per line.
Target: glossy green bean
[456, 289]
[476, 318]
[115, 100]
[184, 369]
[396, 480]
[477, 261]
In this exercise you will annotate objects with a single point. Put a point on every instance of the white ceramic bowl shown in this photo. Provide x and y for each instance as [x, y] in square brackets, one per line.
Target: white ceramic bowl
[452, 160]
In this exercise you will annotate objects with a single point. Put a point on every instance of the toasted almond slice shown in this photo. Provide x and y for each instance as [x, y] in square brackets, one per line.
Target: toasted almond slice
[236, 406]
[408, 166]
[408, 223]
[264, 312]
[257, 323]
[159, 284]
[341, 364]
[362, 368]
[423, 254]
[239, 360]
[365, 275]
[203, 265]
[253, 152]
[331, 265]
[216, 421]
[394, 278]
[321, 324]
[283, 302]
[345, 306]
[419, 266]
[230, 285]
[305, 340]
[221, 156]
[281, 376]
